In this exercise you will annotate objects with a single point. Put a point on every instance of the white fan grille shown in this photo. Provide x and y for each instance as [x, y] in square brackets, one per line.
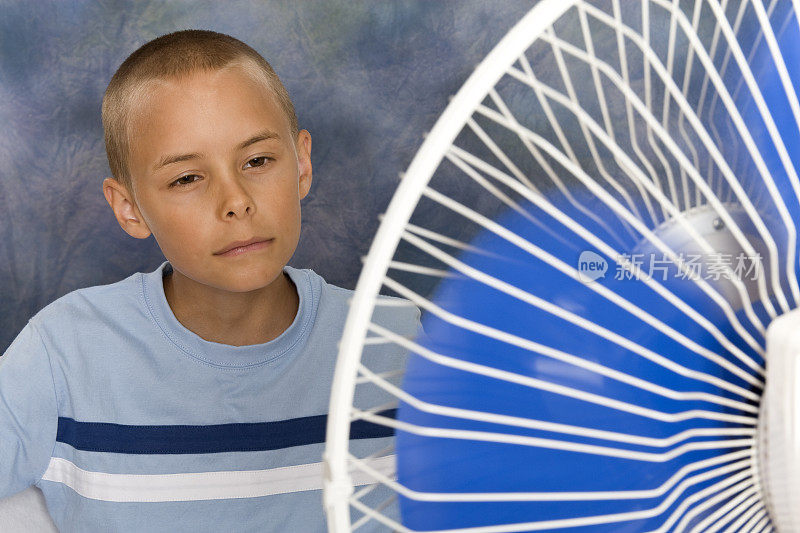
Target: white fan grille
[649, 121]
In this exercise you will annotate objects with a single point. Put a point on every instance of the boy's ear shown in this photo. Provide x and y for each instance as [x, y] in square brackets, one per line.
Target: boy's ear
[303, 147]
[125, 209]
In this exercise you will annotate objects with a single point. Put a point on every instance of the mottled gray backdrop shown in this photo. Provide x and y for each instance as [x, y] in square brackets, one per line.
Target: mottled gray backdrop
[368, 78]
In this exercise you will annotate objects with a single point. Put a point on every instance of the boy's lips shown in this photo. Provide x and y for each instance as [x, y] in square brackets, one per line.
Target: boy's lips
[238, 247]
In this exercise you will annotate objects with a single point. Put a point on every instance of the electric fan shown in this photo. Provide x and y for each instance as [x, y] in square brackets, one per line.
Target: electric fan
[600, 234]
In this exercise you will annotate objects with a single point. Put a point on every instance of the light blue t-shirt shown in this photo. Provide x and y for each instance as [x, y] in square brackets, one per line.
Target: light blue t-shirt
[128, 421]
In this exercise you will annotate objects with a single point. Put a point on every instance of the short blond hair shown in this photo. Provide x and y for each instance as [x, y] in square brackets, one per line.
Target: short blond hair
[170, 56]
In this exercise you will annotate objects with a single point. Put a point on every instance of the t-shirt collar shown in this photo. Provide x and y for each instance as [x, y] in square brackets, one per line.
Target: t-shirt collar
[226, 355]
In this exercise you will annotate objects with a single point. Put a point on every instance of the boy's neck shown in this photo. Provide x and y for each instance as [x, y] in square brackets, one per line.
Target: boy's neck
[237, 319]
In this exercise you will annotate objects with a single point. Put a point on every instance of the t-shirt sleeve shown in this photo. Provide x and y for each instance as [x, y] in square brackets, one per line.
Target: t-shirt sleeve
[418, 317]
[28, 412]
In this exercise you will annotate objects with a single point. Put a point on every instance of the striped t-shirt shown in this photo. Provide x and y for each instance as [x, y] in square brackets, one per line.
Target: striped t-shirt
[128, 421]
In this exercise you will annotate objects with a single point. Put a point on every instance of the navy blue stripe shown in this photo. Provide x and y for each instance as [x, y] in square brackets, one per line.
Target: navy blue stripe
[259, 436]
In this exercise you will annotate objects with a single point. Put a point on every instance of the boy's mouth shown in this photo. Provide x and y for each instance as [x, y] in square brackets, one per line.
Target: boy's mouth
[239, 247]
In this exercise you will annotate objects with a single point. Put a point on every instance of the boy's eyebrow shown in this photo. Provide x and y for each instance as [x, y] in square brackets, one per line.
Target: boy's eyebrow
[260, 136]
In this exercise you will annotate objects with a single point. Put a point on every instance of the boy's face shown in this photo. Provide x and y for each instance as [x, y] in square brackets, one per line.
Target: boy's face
[213, 162]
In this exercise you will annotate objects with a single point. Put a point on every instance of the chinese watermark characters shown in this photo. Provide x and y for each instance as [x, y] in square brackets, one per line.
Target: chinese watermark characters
[688, 266]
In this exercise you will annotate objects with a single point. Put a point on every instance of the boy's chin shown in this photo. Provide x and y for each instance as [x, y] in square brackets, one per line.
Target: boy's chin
[246, 286]
[236, 279]
[237, 282]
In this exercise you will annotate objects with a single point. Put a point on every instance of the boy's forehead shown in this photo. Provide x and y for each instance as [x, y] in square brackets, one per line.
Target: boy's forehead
[232, 79]
[181, 97]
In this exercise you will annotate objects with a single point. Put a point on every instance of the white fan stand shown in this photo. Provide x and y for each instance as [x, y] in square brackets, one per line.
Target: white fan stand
[779, 424]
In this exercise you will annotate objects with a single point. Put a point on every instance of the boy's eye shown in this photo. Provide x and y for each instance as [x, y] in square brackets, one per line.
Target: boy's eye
[182, 180]
[259, 161]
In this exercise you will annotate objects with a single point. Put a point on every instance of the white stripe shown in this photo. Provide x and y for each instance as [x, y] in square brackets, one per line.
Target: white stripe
[199, 485]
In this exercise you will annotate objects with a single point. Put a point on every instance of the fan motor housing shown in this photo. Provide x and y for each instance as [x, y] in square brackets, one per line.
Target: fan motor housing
[778, 443]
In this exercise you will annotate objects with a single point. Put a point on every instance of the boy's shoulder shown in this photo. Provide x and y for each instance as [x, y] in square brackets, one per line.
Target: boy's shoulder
[79, 304]
[389, 311]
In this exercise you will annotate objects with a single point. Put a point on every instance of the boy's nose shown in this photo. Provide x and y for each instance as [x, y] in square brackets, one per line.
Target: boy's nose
[239, 211]
[236, 200]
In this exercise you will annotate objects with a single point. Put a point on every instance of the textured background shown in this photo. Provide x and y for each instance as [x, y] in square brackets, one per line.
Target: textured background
[367, 79]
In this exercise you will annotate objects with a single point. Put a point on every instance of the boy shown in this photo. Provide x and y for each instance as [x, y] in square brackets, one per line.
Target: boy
[191, 398]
